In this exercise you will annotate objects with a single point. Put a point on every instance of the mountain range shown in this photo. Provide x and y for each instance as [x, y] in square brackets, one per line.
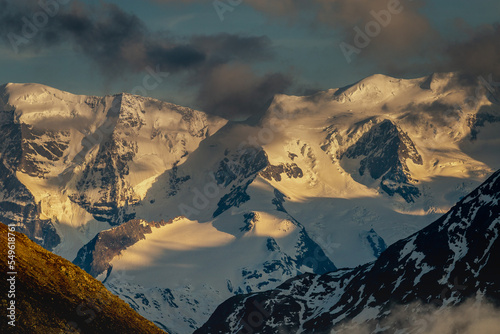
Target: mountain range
[175, 210]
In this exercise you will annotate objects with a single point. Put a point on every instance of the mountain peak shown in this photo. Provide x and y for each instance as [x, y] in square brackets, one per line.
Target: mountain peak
[374, 86]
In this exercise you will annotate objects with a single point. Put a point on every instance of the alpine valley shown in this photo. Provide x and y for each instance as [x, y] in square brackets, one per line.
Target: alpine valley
[176, 210]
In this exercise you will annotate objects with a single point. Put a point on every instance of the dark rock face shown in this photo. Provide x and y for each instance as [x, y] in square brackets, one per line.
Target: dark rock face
[250, 219]
[175, 181]
[242, 164]
[238, 171]
[446, 263]
[17, 204]
[26, 215]
[336, 143]
[385, 149]
[479, 120]
[95, 257]
[312, 255]
[36, 144]
[374, 241]
[237, 196]
[55, 296]
[278, 200]
[106, 173]
[274, 172]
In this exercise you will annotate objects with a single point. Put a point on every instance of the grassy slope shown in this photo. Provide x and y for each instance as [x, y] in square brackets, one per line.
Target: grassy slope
[55, 296]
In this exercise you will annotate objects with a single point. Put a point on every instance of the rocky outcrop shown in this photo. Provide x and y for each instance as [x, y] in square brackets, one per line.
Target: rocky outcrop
[238, 170]
[95, 257]
[275, 172]
[17, 204]
[384, 150]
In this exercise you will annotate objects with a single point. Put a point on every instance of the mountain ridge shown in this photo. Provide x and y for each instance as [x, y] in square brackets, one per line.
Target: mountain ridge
[433, 266]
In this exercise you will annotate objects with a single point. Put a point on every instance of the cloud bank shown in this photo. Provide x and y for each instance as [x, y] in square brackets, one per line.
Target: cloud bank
[407, 42]
[119, 43]
[221, 68]
[468, 318]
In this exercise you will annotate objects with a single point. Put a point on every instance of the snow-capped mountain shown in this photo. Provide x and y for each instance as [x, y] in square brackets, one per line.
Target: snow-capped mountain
[177, 210]
[73, 164]
[450, 261]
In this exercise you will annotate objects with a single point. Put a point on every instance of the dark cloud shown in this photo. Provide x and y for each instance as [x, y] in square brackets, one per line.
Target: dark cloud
[474, 56]
[116, 41]
[225, 47]
[407, 44]
[402, 27]
[475, 52]
[404, 30]
[478, 55]
[277, 8]
[228, 85]
[120, 43]
[234, 91]
[178, 57]
[437, 113]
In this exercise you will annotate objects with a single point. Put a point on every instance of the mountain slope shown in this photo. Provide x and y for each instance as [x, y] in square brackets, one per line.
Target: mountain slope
[54, 296]
[75, 163]
[451, 260]
[177, 283]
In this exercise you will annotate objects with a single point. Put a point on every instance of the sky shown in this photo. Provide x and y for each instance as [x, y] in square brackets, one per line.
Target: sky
[230, 57]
